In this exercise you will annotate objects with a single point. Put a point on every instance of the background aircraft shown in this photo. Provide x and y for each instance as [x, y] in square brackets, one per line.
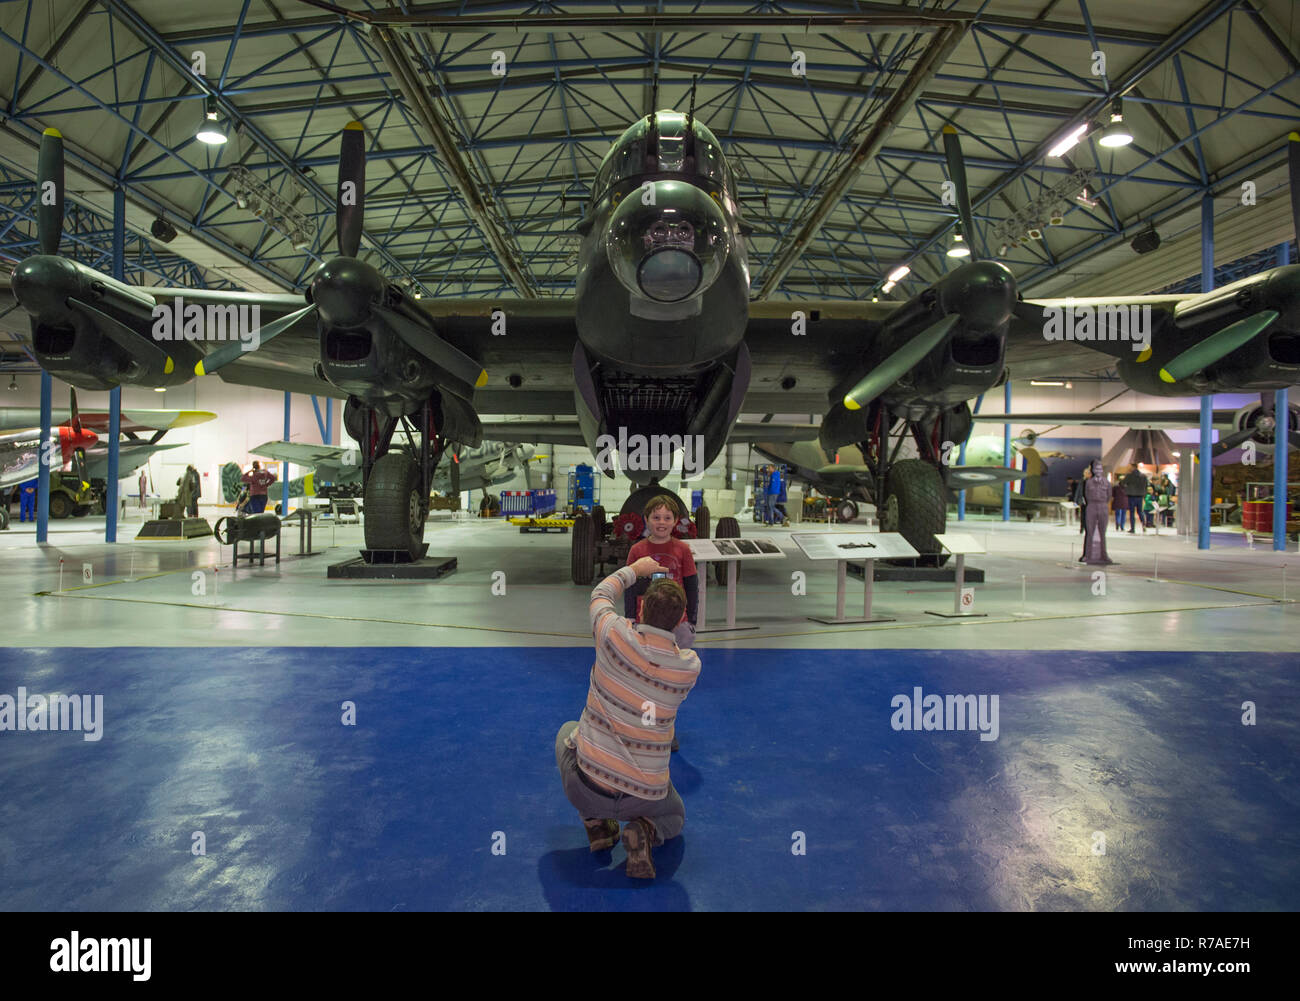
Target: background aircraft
[81, 445]
[1255, 422]
[479, 468]
[660, 338]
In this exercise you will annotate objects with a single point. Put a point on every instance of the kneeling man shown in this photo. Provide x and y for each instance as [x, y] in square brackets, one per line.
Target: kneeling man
[614, 761]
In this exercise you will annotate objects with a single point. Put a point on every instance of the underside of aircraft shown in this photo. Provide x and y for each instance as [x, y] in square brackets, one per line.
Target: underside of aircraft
[660, 343]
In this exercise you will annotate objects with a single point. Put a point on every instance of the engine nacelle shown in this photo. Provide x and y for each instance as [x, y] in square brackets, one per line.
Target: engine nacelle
[967, 362]
[1267, 362]
[68, 341]
[1265, 425]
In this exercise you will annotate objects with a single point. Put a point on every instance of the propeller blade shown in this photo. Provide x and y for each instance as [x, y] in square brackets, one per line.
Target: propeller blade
[896, 365]
[79, 464]
[141, 349]
[438, 351]
[49, 191]
[1232, 441]
[1293, 164]
[957, 174]
[1216, 346]
[528, 476]
[351, 201]
[455, 472]
[228, 352]
[76, 414]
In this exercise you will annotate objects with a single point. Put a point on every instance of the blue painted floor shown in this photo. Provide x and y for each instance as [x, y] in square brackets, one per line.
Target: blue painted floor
[1144, 752]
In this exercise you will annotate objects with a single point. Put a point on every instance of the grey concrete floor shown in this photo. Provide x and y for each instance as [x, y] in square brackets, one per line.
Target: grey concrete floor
[186, 594]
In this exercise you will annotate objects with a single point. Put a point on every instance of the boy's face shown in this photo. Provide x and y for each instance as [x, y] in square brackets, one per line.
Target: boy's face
[661, 523]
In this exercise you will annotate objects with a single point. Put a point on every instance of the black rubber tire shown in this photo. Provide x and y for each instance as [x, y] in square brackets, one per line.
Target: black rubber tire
[81, 510]
[728, 528]
[916, 506]
[582, 540]
[598, 516]
[60, 506]
[639, 498]
[395, 511]
[702, 522]
[4, 516]
[846, 510]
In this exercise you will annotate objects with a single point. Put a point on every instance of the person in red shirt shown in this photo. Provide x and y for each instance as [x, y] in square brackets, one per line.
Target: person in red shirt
[258, 480]
[675, 559]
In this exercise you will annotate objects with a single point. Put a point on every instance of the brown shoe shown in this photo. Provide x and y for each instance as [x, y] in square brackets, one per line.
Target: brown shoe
[603, 834]
[638, 836]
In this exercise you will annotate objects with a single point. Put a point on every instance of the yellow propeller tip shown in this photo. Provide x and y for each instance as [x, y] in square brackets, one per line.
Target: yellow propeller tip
[198, 369]
[482, 379]
[851, 404]
[169, 367]
[59, 135]
[1294, 137]
[1146, 354]
[354, 127]
[1166, 377]
[948, 130]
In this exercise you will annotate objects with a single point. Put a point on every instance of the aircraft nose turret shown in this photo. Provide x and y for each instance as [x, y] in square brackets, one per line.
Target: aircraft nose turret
[667, 241]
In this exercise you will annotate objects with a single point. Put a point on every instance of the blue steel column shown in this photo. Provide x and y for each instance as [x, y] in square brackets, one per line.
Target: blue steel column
[115, 397]
[1006, 454]
[284, 467]
[329, 420]
[1206, 485]
[43, 479]
[1281, 444]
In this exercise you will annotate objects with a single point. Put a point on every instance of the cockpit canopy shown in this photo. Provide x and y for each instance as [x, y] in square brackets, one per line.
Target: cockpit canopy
[702, 159]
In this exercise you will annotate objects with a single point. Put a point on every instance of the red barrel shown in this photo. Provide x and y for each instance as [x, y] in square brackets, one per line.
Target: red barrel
[1248, 510]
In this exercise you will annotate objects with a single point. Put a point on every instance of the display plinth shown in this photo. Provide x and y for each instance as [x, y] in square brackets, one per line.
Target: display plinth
[959, 546]
[174, 529]
[843, 547]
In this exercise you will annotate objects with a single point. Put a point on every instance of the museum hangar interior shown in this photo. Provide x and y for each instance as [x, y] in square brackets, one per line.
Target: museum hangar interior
[957, 335]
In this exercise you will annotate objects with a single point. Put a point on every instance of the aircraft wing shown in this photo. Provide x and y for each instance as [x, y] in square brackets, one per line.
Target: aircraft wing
[20, 418]
[300, 453]
[565, 431]
[331, 463]
[131, 456]
[1140, 419]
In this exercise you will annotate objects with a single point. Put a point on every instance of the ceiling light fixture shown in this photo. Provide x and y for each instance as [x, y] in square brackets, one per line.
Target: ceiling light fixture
[1068, 141]
[1045, 382]
[887, 287]
[13, 383]
[899, 273]
[160, 389]
[210, 129]
[959, 247]
[1116, 133]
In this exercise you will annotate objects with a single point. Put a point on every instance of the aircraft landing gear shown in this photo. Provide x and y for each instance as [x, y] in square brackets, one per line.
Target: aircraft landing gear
[397, 483]
[911, 497]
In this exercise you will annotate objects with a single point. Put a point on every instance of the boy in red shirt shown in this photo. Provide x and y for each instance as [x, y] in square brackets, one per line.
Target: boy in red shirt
[674, 556]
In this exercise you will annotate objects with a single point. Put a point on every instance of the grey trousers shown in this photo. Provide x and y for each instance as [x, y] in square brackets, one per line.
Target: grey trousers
[667, 814]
